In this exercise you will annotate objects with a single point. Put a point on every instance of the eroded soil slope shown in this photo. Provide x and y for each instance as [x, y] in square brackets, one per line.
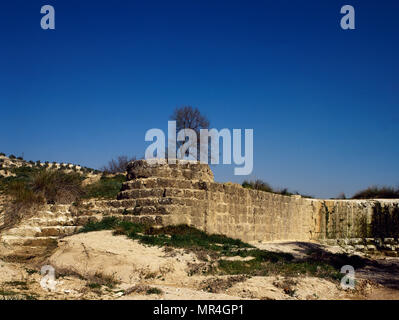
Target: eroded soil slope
[100, 265]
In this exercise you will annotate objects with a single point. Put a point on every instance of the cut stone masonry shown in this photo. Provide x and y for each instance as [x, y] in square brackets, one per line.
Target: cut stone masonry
[185, 193]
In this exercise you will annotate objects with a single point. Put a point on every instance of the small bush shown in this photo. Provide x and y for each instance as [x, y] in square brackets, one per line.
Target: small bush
[257, 267]
[106, 187]
[284, 192]
[31, 187]
[257, 185]
[22, 174]
[264, 186]
[31, 271]
[375, 192]
[154, 291]
[217, 285]
[23, 195]
[143, 288]
[24, 199]
[57, 186]
[118, 165]
[12, 157]
[94, 285]
[105, 224]
[100, 279]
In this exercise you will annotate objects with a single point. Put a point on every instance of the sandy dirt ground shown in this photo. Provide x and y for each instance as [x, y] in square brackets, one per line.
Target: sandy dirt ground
[99, 265]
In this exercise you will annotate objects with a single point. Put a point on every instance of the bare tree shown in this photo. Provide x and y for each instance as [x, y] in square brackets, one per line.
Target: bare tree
[188, 117]
[341, 196]
[118, 165]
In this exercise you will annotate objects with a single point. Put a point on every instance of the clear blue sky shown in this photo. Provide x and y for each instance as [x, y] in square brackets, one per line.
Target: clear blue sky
[323, 102]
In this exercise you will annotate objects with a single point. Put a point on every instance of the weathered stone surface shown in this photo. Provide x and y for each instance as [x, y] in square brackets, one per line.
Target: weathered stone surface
[184, 193]
[189, 194]
[181, 170]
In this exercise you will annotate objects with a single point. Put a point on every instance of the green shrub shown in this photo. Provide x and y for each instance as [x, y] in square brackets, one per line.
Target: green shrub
[106, 187]
[32, 183]
[57, 186]
[375, 192]
[23, 195]
[264, 186]
[284, 192]
[103, 280]
[12, 156]
[257, 267]
[94, 285]
[257, 185]
[105, 224]
[25, 172]
[22, 174]
[154, 291]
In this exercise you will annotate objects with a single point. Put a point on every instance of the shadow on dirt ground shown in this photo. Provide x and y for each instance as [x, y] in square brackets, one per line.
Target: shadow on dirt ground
[378, 269]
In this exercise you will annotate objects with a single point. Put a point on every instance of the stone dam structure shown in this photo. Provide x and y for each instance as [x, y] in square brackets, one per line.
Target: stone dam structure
[185, 193]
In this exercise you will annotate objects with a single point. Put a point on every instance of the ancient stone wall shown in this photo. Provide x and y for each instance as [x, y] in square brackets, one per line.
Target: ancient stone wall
[185, 193]
[359, 219]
